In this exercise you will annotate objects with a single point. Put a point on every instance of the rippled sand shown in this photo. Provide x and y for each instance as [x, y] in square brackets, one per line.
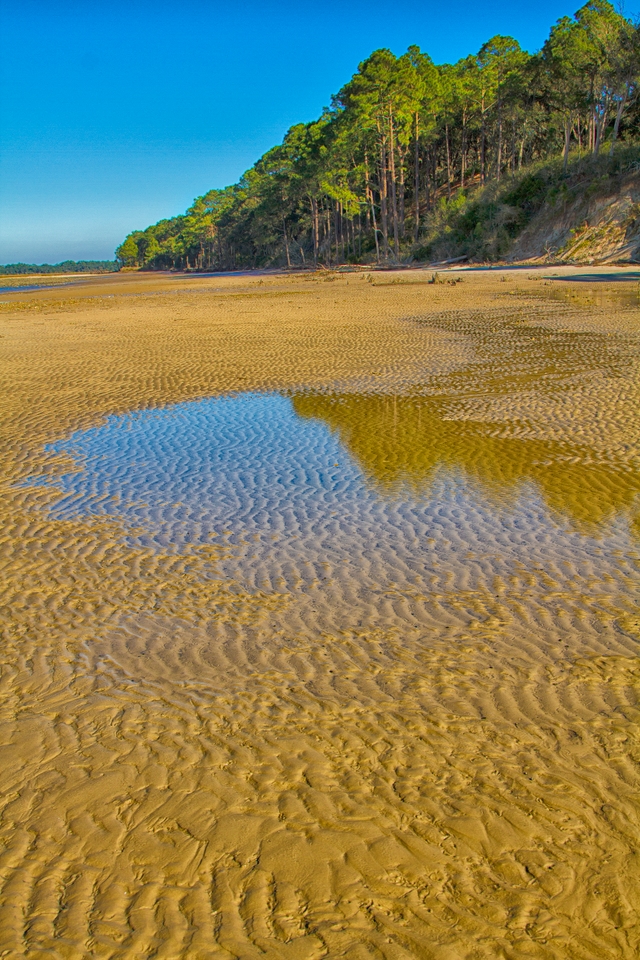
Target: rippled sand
[382, 705]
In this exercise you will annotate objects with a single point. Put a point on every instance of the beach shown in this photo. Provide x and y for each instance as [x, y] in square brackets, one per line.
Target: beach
[215, 746]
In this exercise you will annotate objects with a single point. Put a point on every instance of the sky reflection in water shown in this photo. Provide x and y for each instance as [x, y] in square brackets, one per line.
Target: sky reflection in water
[299, 487]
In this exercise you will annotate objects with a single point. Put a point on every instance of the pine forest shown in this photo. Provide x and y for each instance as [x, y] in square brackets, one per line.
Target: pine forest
[413, 161]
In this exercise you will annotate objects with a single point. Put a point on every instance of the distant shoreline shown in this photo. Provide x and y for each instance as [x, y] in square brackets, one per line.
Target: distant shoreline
[49, 279]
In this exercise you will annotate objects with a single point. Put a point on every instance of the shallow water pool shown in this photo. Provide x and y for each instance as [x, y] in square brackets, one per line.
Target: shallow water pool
[364, 512]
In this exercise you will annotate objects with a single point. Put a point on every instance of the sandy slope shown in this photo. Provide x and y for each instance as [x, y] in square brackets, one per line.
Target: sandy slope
[194, 768]
[594, 226]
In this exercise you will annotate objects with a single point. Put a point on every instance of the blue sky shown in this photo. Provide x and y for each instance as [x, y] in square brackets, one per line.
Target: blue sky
[114, 115]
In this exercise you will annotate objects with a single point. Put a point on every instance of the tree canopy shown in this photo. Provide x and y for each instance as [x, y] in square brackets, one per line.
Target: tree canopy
[67, 266]
[402, 136]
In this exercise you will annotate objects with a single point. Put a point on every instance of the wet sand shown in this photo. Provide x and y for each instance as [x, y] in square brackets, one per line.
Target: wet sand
[197, 764]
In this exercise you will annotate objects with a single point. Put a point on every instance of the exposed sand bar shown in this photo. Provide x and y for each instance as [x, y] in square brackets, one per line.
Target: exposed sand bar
[190, 768]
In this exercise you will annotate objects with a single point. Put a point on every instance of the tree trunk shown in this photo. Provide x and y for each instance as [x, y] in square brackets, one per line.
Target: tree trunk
[601, 125]
[616, 127]
[416, 186]
[579, 126]
[382, 180]
[482, 142]
[344, 233]
[446, 136]
[344, 229]
[567, 141]
[314, 220]
[434, 170]
[373, 220]
[402, 195]
[286, 241]
[392, 169]
[371, 210]
[463, 159]
[327, 233]
[427, 197]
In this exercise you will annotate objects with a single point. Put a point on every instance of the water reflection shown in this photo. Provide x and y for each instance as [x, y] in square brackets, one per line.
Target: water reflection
[358, 511]
[398, 439]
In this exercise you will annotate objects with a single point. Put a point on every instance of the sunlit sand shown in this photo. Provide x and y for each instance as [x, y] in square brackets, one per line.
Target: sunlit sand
[320, 629]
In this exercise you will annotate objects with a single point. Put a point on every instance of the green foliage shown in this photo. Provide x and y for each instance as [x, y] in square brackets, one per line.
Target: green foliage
[67, 266]
[415, 160]
[528, 193]
[482, 224]
[127, 253]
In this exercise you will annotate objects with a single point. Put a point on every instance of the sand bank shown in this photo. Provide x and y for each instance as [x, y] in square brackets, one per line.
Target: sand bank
[198, 766]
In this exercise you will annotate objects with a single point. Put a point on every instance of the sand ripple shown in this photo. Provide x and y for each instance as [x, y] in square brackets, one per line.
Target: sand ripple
[349, 670]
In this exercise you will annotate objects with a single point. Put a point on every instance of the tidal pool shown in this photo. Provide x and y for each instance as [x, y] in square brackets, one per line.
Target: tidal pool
[364, 511]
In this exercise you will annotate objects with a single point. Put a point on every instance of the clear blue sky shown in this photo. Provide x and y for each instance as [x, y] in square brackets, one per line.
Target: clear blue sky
[114, 115]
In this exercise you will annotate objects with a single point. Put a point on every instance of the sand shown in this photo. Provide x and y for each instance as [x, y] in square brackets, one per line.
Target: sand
[197, 764]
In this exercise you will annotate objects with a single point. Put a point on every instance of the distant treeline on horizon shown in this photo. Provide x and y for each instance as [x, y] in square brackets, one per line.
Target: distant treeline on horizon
[414, 159]
[67, 266]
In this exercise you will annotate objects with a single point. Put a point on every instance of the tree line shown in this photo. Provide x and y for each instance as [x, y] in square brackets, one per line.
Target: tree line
[404, 137]
[66, 266]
